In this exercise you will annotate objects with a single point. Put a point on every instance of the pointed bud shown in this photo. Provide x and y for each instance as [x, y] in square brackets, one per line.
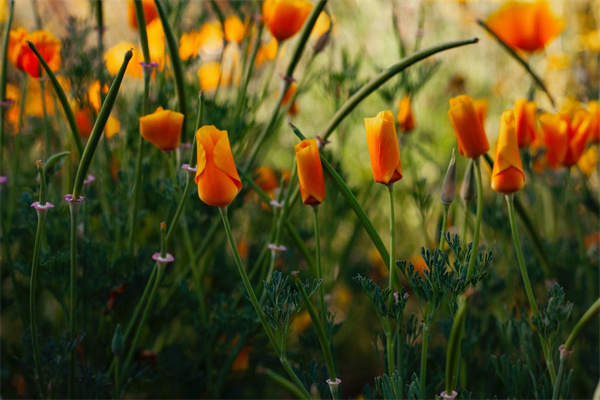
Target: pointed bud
[468, 191]
[449, 186]
[118, 344]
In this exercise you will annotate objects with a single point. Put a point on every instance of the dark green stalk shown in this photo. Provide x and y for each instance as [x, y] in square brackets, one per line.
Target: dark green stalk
[74, 210]
[444, 224]
[391, 332]
[321, 334]
[565, 350]
[520, 60]
[383, 77]
[453, 353]
[277, 345]
[300, 44]
[45, 121]
[3, 63]
[281, 381]
[319, 266]
[241, 97]
[62, 97]
[99, 13]
[424, 346]
[475, 248]
[32, 303]
[173, 48]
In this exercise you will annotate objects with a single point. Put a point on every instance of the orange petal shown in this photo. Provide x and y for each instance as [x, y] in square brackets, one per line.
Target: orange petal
[594, 110]
[406, 118]
[507, 175]
[525, 122]
[114, 59]
[471, 138]
[285, 18]
[49, 48]
[150, 13]
[234, 29]
[162, 128]
[209, 75]
[321, 26]
[556, 138]
[310, 172]
[113, 126]
[383, 148]
[16, 40]
[578, 139]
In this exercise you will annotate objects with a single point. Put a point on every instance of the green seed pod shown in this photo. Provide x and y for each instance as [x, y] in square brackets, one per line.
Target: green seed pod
[118, 344]
[468, 191]
[449, 185]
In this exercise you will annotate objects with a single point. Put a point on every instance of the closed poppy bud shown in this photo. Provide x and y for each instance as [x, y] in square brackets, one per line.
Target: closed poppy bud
[162, 128]
[406, 118]
[310, 172]
[526, 26]
[150, 12]
[468, 126]
[507, 175]
[556, 138]
[217, 177]
[449, 185]
[468, 189]
[285, 18]
[594, 110]
[525, 122]
[49, 48]
[383, 148]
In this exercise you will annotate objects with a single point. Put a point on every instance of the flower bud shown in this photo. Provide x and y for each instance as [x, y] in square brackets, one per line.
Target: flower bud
[118, 344]
[449, 185]
[468, 190]
[508, 175]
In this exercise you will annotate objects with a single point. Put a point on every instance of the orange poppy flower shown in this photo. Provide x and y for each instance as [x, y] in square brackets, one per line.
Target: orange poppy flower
[217, 177]
[526, 26]
[406, 118]
[208, 40]
[284, 18]
[94, 94]
[266, 52]
[578, 133]
[310, 172]
[384, 150]
[594, 110]
[83, 118]
[24, 58]
[468, 125]
[112, 127]
[150, 12]
[507, 175]
[234, 29]
[209, 74]
[554, 130]
[588, 162]
[162, 128]
[114, 59]
[321, 27]
[525, 121]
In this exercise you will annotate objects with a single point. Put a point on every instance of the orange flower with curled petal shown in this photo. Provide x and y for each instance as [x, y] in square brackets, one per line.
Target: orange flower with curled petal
[310, 172]
[162, 128]
[525, 121]
[285, 18]
[507, 175]
[234, 29]
[556, 139]
[217, 177]
[24, 58]
[150, 12]
[406, 118]
[526, 26]
[384, 150]
[468, 125]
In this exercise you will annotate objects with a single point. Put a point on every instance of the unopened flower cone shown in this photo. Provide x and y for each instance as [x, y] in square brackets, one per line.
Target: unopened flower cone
[508, 175]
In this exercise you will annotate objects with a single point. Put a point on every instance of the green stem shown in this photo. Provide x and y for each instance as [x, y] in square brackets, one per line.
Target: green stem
[173, 48]
[135, 195]
[117, 391]
[32, 303]
[321, 334]
[383, 77]
[520, 60]
[463, 236]
[319, 266]
[453, 353]
[521, 260]
[269, 77]
[277, 345]
[74, 210]
[64, 101]
[45, 114]
[160, 269]
[475, 248]
[392, 268]
[241, 98]
[281, 381]
[590, 314]
[3, 63]
[300, 44]
[424, 346]
[444, 223]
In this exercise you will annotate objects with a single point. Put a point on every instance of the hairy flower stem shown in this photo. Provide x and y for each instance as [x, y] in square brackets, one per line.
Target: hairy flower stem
[565, 352]
[444, 224]
[390, 333]
[475, 248]
[32, 303]
[321, 334]
[319, 266]
[528, 289]
[277, 345]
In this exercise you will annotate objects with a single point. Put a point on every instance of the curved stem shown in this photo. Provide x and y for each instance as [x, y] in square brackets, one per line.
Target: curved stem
[277, 345]
[319, 266]
[45, 116]
[32, 303]
[475, 248]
